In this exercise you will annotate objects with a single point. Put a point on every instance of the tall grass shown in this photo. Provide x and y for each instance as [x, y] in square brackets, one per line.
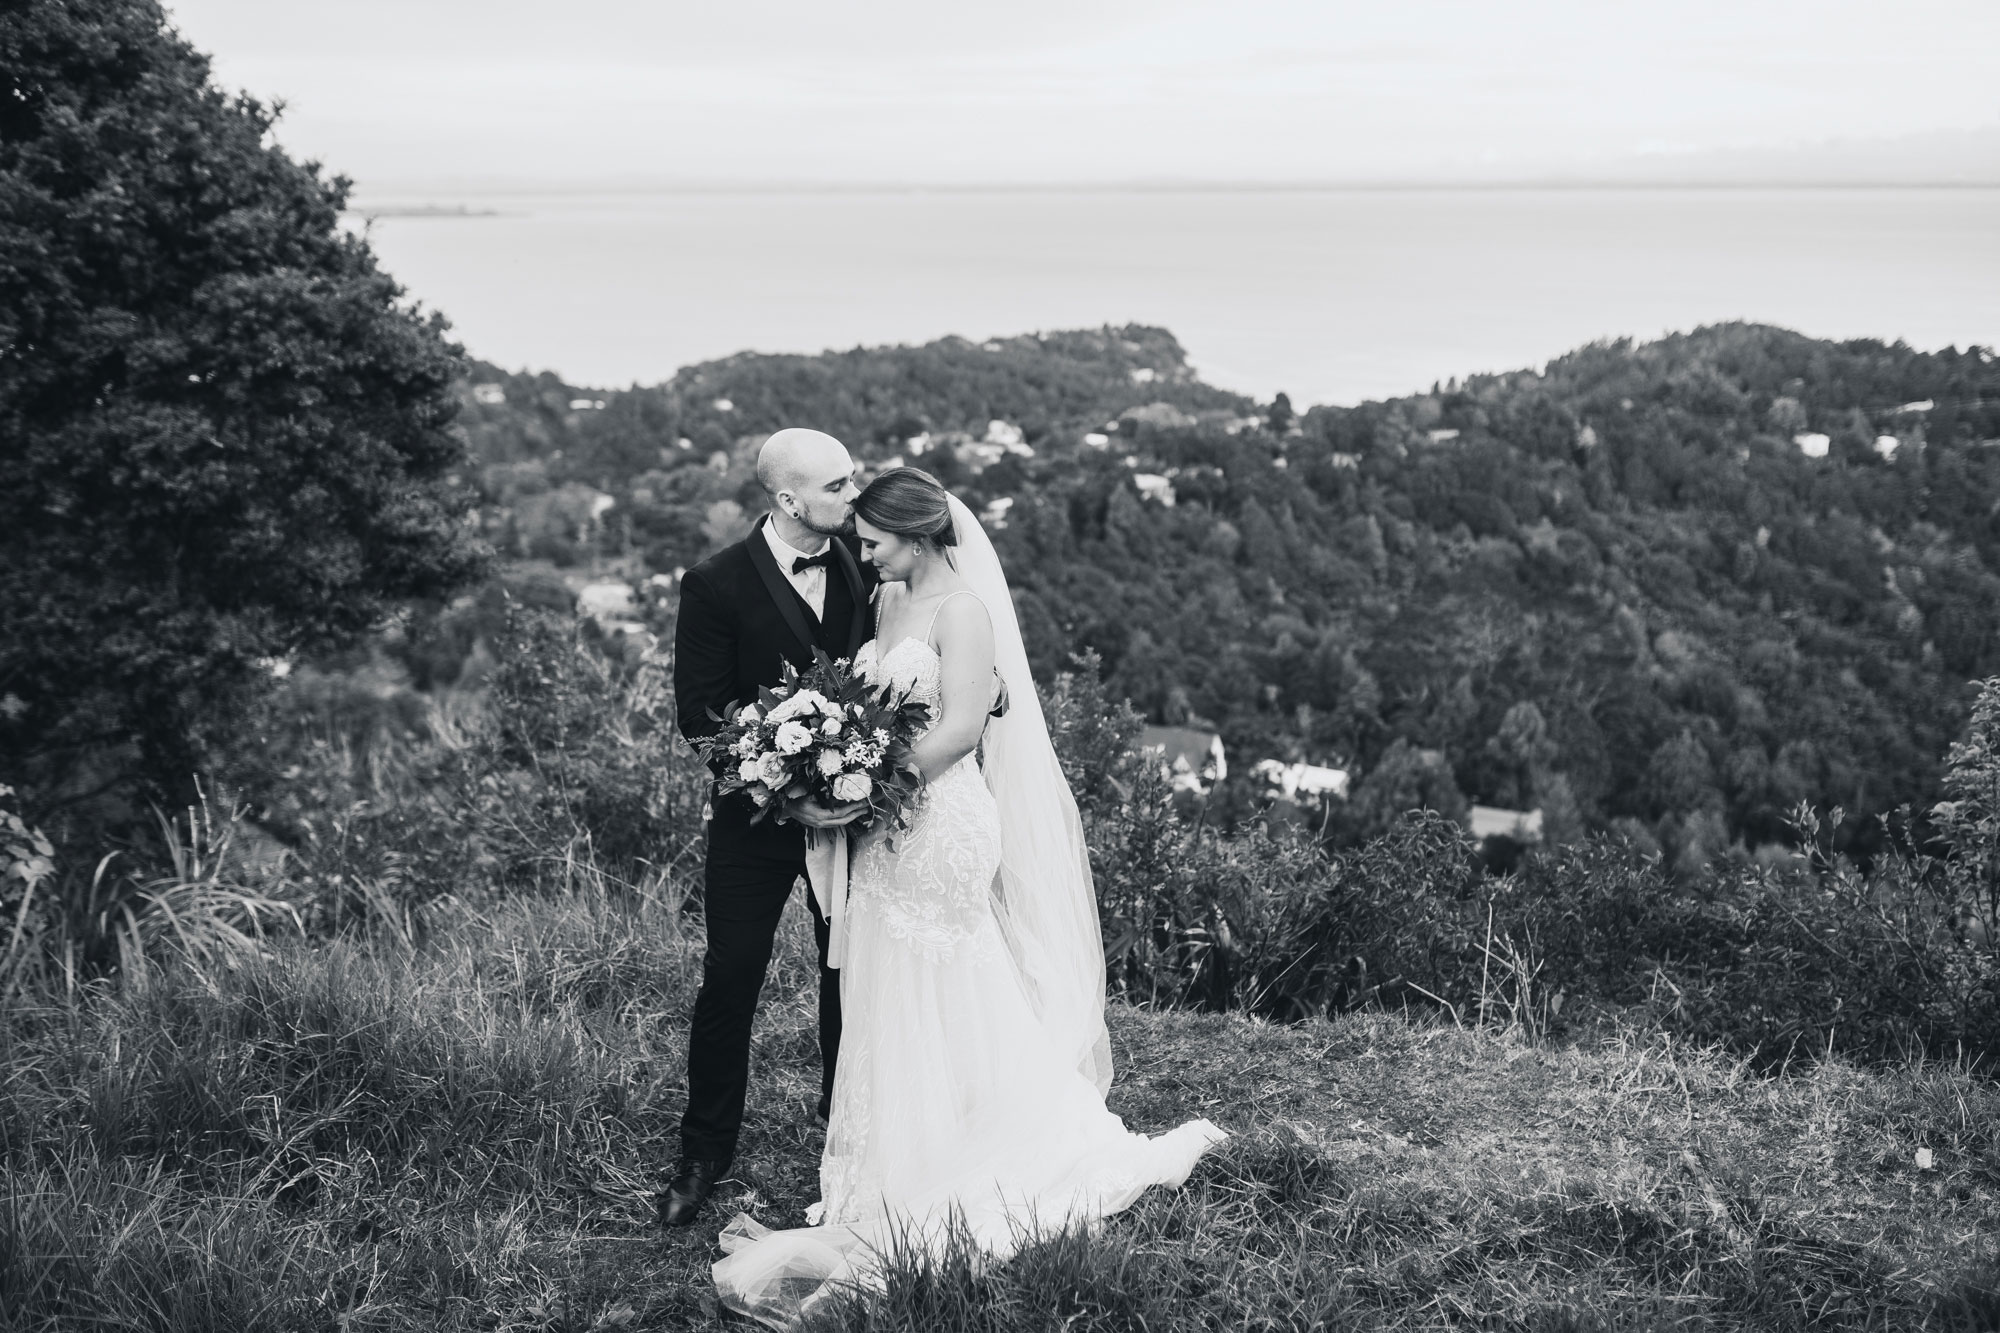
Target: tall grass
[407, 1053]
[464, 1133]
[329, 1127]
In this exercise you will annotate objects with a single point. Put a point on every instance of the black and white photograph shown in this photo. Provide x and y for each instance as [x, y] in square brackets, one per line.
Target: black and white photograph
[1302, 666]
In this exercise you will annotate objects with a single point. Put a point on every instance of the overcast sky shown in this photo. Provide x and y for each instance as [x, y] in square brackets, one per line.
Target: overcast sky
[418, 91]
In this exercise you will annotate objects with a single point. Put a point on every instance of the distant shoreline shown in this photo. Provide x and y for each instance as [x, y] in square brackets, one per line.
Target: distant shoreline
[425, 211]
[1146, 187]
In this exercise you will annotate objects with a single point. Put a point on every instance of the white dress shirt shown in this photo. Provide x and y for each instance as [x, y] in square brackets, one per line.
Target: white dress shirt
[810, 583]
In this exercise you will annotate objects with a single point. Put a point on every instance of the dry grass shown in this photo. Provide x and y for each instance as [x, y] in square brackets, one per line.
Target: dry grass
[466, 1133]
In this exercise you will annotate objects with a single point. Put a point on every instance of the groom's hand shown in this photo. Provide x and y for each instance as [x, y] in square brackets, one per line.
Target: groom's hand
[814, 814]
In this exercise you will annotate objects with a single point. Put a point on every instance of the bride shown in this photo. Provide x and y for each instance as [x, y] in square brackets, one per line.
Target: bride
[969, 1094]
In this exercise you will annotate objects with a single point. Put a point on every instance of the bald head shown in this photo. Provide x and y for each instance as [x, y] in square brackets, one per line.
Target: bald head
[810, 479]
[796, 458]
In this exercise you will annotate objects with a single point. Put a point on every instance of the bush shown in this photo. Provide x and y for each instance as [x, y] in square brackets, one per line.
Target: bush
[1970, 820]
[188, 894]
[563, 764]
[1779, 962]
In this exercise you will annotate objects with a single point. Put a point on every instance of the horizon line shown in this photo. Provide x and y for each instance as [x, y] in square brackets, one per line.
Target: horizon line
[361, 190]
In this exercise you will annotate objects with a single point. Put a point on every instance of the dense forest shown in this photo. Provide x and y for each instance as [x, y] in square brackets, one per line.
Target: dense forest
[1671, 588]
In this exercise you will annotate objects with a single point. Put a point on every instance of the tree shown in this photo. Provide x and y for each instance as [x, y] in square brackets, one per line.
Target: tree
[1523, 751]
[1281, 416]
[223, 434]
[1680, 778]
[1404, 779]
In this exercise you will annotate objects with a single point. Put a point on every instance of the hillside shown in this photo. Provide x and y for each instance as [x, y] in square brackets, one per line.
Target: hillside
[465, 1134]
[1619, 590]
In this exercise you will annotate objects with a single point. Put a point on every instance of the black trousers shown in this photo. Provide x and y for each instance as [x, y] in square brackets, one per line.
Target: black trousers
[743, 895]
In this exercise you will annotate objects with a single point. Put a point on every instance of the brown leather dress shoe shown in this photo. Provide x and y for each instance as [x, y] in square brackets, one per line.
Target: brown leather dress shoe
[680, 1202]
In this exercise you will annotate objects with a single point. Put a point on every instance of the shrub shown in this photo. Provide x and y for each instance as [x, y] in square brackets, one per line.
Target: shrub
[1970, 820]
[563, 764]
[195, 902]
[1780, 962]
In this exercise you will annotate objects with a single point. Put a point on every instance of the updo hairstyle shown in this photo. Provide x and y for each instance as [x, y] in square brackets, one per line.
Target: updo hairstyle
[912, 504]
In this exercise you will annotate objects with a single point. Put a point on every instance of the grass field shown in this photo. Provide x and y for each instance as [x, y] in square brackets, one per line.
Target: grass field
[465, 1131]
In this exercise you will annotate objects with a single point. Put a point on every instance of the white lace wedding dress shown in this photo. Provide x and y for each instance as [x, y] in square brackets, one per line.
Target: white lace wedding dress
[952, 1105]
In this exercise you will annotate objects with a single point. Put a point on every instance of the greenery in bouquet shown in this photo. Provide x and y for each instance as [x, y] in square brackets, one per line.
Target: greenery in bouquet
[826, 735]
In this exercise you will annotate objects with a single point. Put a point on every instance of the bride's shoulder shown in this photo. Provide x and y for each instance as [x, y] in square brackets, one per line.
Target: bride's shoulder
[962, 613]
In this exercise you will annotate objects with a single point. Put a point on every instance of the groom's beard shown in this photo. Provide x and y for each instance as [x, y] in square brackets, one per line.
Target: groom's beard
[845, 528]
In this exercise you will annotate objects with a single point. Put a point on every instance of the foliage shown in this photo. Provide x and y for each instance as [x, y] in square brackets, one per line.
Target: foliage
[200, 906]
[1781, 961]
[465, 1132]
[826, 735]
[561, 758]
[1969, 821]
[225, 435]
[1613, 590]
[1096, 736]
[565, 760]
[24, 852]
[26, 862]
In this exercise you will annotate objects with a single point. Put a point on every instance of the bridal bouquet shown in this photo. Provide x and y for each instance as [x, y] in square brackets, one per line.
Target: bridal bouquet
[824, 735]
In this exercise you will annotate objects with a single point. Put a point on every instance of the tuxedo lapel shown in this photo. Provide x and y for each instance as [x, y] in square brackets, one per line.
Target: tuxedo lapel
[858, 627]
[789, 605]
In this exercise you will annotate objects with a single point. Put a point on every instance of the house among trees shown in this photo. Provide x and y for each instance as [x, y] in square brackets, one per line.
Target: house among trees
[1191, 758]
[1010, 437]
[1490, 821]
[1160, 416]
[1296, 781]
[607, 602]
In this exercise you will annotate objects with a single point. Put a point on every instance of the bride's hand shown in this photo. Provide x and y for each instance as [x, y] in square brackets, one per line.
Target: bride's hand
[812, 813]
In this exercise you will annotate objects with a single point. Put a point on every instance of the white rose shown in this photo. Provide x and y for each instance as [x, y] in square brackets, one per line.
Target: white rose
[771, 769]
[792, 737]
[749, 770]
[852, 787]
[830, 763]
[749, 715]
[784, 708]
[830, 727]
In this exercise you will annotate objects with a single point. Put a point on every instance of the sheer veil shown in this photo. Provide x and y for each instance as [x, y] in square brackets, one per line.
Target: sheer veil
[1044, 897]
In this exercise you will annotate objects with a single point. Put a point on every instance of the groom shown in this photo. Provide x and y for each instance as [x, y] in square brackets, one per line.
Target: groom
[791, 586]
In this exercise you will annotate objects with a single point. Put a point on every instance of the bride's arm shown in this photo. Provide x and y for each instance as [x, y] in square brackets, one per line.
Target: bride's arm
[965, 648]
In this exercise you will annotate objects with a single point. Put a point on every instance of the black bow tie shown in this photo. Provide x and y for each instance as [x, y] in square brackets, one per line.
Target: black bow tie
[805, 562]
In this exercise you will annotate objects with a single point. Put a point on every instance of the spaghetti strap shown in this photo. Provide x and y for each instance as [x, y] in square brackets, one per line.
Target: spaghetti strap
[962, 592]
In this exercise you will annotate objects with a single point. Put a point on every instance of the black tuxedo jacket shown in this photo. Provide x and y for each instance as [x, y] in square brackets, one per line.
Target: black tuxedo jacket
[740, 620]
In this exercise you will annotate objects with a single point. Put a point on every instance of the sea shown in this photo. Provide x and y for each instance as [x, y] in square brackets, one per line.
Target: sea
[1329, 295]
